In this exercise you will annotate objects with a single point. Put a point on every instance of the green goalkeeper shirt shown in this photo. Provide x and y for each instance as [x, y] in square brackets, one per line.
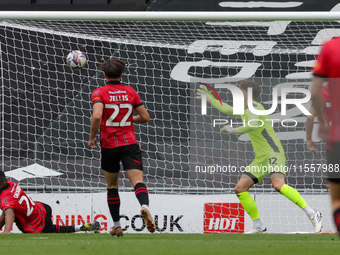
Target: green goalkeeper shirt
[260, 130]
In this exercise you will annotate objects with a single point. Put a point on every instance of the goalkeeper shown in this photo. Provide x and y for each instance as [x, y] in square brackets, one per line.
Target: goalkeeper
[269, 158]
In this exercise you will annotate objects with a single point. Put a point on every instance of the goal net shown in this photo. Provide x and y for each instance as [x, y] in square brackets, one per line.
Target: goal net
[46, 107]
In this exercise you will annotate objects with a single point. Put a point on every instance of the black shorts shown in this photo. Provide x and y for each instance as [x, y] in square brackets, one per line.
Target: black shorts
[129, 155]
[333, 163]
[48, 218]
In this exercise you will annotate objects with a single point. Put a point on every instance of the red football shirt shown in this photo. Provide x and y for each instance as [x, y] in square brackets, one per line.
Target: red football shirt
[327, 107]
[328, 66]
[119, 101]
[29, 215]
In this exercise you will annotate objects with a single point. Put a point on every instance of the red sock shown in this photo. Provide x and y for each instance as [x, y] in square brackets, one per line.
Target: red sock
[113, 202]
[142, 194]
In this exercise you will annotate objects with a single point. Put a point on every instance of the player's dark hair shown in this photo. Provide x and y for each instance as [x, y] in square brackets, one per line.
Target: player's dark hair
[3, 179]
[251, 84]
[113, 68]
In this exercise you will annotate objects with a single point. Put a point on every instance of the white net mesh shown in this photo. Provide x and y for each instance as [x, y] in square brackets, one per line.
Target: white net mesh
[46, 106]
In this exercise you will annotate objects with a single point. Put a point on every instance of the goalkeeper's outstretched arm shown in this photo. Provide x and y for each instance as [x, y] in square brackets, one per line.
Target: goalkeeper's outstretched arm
[254, 122]
[225, 108]
[251, 125]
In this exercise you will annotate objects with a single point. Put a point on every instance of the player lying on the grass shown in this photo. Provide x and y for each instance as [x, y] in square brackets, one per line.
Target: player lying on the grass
[269, 158]
[30, 216]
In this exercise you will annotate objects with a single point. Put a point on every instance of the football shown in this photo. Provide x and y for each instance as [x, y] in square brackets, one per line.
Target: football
[76, 60]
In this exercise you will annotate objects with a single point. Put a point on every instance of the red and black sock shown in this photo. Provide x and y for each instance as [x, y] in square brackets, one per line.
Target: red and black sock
[60, 229]
[113, 202]
[337, 219]
[142, 193]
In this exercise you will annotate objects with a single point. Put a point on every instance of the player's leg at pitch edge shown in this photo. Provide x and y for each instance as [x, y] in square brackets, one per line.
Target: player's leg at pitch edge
[256, 230]
[316, 221]
[116, 231]
[93, 226]
[149, 222]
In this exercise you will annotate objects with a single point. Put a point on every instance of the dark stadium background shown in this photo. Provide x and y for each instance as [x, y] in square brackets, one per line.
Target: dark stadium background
[22, 148]
[148, 5]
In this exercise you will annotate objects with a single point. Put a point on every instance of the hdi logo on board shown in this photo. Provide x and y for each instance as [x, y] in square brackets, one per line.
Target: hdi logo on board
[223, 218]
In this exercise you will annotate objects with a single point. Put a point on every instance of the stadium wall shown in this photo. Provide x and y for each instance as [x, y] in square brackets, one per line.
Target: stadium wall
[188, 213]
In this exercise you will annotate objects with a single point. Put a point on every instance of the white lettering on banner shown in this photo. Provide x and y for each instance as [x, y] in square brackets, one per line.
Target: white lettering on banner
[228, 47]
[180, 71]
[325, 34]
[336, 8]
[322, 36]
[311, 50]
[274, 27]
[136, 222]
[309, 63]
[232, 222]
[79, 208]
[214, 222]
[302, 75]
[222, 223]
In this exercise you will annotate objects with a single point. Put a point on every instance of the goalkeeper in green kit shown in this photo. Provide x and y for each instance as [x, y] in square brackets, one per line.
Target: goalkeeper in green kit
[269, 157]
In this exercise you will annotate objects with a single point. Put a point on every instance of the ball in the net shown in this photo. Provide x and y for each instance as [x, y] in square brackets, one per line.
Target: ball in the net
[76, 60]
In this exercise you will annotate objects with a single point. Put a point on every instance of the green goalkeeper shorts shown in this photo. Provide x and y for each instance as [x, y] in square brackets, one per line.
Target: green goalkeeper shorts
[266, 164]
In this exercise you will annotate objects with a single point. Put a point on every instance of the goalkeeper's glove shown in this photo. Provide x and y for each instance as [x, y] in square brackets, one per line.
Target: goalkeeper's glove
[201, 92]
[229, 130]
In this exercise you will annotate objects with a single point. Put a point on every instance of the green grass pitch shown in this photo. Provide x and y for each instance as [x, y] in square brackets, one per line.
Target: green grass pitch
[148, 244]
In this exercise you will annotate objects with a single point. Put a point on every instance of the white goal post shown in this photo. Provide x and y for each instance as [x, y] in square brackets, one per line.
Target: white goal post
[168, 16]
[46, 109]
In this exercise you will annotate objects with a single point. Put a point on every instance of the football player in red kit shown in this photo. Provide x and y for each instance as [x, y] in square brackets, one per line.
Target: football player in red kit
[327, 67]
[113, 107]
[30, 216]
